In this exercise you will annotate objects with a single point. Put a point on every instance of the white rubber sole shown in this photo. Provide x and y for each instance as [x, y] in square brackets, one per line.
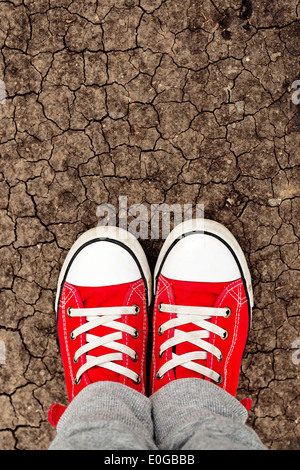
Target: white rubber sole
[107, 233]
[215, 229]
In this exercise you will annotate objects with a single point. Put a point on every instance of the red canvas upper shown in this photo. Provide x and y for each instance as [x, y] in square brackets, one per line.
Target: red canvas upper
[93, 297]
[220, 294]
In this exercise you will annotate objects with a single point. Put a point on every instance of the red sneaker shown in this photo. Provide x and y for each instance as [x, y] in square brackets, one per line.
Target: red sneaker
[202, 309]
[104, 290]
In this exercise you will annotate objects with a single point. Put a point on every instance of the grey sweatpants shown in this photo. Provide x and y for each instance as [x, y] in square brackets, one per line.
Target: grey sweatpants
[186, 414]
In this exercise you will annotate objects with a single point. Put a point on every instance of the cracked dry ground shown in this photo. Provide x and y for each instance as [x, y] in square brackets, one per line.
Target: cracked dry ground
[162, 101]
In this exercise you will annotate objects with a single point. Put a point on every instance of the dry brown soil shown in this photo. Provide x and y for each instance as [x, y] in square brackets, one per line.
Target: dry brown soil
[162, 101]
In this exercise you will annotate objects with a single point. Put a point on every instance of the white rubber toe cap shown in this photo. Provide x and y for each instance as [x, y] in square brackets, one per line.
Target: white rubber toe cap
[200, 258]
[102, 263]
[104, 256]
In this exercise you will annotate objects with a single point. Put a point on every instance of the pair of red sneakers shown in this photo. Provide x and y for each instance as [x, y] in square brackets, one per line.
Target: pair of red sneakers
[201, 311]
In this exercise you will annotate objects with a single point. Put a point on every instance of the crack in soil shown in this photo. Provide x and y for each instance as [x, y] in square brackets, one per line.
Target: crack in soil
[164, 102]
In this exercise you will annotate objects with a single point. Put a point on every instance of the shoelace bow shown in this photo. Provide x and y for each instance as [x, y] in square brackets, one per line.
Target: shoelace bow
[199, 316]
[105, 316]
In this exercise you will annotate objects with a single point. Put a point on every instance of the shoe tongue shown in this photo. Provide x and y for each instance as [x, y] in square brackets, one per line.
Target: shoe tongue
[108, 296]
[201, 294]
[94, 297]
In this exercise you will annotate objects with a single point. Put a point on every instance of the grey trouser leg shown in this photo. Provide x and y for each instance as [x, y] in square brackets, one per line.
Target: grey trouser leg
[106, 416]
[193, 414]
[188, 414]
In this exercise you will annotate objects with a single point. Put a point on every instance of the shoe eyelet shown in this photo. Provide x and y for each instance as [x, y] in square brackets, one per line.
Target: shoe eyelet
[159, 306]
[135, 358]
[72, 336]
[137, 309]
[225, 335]
[136, 334]
[159, 331]
[75, 360]
[77, 381]
[228, 312]
[160, 354]
[220, 380]
[220, 358]
[137, 381]
[158, 376]
[69, 312]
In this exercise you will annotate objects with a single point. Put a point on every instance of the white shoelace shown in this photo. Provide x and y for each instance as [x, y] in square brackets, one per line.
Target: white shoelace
[105, 316]
[199, 316]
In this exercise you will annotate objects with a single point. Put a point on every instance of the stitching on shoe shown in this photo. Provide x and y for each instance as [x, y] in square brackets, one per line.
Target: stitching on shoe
[66, 340]
[72, 293]
[135, 289]
[229, 290]
[236, 329]
[166, 286]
